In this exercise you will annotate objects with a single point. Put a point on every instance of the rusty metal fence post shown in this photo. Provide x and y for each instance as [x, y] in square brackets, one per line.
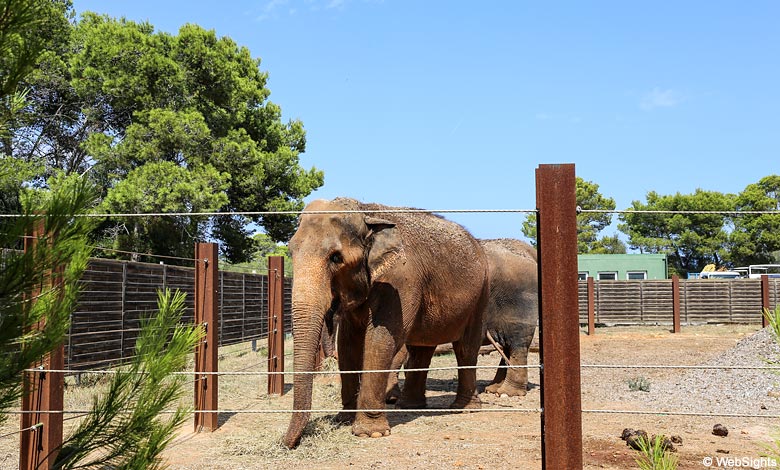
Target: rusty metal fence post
[559, 342]
[675, 303]
[591, 306]
[764, 299]
[276, 325]
[206, 360]
[42, 392]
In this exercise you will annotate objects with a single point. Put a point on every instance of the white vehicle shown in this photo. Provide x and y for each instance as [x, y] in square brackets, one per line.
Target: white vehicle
[755, 271]
[720, 275]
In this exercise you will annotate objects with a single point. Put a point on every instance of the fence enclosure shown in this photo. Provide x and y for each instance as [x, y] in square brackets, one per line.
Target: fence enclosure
[115, 295]
[701, 301]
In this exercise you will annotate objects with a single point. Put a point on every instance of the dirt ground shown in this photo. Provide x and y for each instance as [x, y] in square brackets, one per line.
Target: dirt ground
[494, 440]
[474, 440]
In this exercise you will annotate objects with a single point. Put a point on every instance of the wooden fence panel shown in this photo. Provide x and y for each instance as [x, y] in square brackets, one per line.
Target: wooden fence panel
[701, 301]
[117, 294]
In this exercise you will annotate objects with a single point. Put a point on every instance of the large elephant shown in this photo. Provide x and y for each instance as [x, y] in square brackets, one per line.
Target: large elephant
[391, 278]
[511, 316]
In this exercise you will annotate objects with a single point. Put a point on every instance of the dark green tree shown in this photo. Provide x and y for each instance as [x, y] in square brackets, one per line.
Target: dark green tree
[29, 29]
[691, 240]
[589, 224]
[756, 237]
[611, 245]
[124, 103]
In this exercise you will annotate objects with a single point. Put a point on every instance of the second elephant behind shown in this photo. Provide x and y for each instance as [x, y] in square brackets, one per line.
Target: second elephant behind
[511, 316]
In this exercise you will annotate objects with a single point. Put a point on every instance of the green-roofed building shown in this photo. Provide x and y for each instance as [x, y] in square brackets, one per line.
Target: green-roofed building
[622, 267]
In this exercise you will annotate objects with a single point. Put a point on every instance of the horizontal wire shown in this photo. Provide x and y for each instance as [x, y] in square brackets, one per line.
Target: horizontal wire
[423, 410]
[323, 410]
[626, 366]
[264, 213]
[684, 212]
[34, 426]
[321, 372]
[683, 413]
[406, 211]
[140, 254]
[376, 371]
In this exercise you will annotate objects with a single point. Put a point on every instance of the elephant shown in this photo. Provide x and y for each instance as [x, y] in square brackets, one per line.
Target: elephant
[511, 316]
[391, 277]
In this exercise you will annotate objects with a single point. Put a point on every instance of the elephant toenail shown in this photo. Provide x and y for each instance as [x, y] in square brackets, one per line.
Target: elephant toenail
[387, 432]
[376, 434]
[362, 435]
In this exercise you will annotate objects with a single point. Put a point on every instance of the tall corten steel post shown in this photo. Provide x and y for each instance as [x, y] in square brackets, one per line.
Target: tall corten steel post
[206, 352]
[42, 392]
[276, 324]
[559, 341]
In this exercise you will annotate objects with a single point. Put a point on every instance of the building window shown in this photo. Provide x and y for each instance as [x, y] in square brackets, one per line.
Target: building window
[582, 276]
[636, 275]
[607, 276]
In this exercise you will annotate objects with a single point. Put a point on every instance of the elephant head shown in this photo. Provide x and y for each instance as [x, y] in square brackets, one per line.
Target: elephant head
[335, 259]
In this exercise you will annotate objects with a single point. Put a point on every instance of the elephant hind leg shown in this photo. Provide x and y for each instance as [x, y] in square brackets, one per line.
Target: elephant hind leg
[516, 383]
[498, 380]
[413, 393]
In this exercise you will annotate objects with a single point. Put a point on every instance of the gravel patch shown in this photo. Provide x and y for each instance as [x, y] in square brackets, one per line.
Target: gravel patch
[737, 391]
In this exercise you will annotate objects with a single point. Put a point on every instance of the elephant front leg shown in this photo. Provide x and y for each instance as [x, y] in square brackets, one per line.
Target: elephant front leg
[350, 344]
[466, 354]
[371, 420]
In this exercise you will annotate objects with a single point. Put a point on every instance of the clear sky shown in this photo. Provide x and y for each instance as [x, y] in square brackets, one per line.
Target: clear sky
[453, 104]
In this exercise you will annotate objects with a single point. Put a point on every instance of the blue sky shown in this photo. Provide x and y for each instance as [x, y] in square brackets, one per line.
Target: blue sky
[452, 105]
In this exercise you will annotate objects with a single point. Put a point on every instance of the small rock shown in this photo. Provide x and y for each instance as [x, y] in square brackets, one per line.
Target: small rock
[633, 440]
[773, 393]
[626, 433]
[763, 406]
[723, 451]
[720, 430]
[677, 440]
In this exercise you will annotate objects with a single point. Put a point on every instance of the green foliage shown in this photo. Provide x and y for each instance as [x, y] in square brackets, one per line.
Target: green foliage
[756, 237]
[265, 247]
[588, 224]
[639, 384]
[691, 241]
[654, 456]
[124, 429]
[27, 28]
[60, 248]
[611, 245]
[126, 102]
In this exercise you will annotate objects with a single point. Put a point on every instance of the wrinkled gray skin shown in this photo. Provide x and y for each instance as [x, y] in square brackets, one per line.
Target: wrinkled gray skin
[391, 279]
[511, 316]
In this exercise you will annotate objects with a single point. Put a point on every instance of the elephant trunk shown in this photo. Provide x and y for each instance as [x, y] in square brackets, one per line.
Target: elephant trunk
[308, 321]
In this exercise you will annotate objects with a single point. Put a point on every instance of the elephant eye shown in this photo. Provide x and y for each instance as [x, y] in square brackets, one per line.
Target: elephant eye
[336, 258]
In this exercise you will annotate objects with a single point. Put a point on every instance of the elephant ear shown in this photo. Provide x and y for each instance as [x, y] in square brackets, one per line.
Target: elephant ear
[385, 246]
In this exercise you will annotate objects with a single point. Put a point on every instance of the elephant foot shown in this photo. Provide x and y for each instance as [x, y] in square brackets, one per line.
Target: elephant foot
[393, 395]
[366, 426]
[493, 388]
[472, 403]
[344, 417]
[511, 391]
